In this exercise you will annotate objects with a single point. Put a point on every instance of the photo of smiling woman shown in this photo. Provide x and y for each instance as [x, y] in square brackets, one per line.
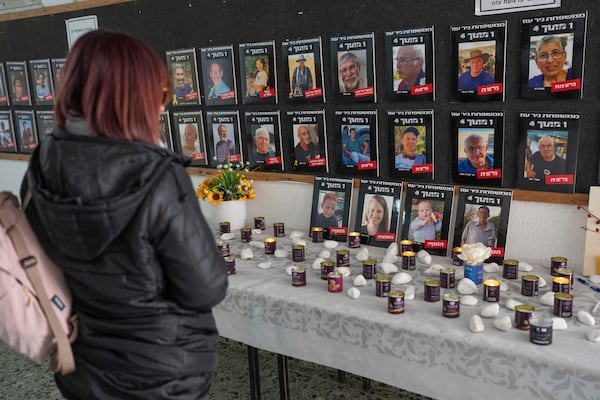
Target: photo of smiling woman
[375, 216]
[550, 60]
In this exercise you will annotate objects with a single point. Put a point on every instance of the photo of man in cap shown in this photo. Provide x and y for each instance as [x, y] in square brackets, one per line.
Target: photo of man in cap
[301, 77]
[476, 75]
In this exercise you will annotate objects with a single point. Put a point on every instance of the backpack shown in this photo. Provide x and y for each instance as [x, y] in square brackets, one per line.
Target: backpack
[35, 301]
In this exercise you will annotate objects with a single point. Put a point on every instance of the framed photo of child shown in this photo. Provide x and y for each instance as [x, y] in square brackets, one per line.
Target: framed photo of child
[427, 216]
[331, 206]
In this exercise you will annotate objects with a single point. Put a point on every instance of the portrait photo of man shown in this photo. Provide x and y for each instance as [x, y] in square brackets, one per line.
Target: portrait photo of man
[302, 78]
[474, 150]
[263, 146]
[306, 143]
[217, 86]
[224, 145]
[480, 224]
[190, 145]
[545, 154]
[352, 71]
[181, 81]
[477, 66]
[7, 141]
[409, 62]
[355, 144]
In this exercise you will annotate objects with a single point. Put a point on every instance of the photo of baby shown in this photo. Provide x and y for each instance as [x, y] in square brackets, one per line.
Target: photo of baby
[427, 223]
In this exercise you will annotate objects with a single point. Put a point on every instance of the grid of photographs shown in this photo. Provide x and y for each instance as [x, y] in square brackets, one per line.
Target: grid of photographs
[299, 142]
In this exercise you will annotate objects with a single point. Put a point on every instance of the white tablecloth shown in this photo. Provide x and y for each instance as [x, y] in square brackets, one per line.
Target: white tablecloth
[419, 350]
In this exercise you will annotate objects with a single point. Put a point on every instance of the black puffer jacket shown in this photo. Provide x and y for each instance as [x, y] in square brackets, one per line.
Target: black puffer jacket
[123, 221]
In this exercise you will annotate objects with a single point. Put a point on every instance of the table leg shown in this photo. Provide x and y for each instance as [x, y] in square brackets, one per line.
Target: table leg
[284, 382]
[254, 373]
[366, 384]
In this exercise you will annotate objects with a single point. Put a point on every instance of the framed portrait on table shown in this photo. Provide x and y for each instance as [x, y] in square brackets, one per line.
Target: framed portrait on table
[4, 95]
[218, 75]
[41, 76]
[353, 62]
[426, 217]
[356, 142]
[331, 206]
[482, 217]
[552, 56]
[8, 142]
[258, 73]
[27, 134]
[18, 83]
[189, 132]
[377, 211]
[262, 140]
[184, 74]
[304, 66]
[307, 143]
[410, 64]
[478, 54]
[478, 141]
[548, 151]
[223, 129]
[411, 142]
[45, 123]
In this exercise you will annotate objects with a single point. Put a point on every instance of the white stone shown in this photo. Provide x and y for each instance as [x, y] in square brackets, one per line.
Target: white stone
[546, 263]
[466, 286]
[541, 282]
[401, 278]
[360, 280]
[387, 268]
[433, 270]
[281, 253]
[586, 318]
[559, 324]
[594, 278]
[345, 271]
[390, 258]
[257, 244]
[317, 263]
[299, 241]
[363, 254]
[511, 304]
[409, 292]
[330, 244]
[246, 253]
[476, 324]
[547, 299]
[227, 236]
[491, 267]
[392, 249]
[491, 310]
[525, 267]
[503, 323]
[468, 300]
[325, 254]
[593, 335]
[265, 265]
[353, 293]
[424, 257]
[296, 234]
[288, 270]
[257, 231]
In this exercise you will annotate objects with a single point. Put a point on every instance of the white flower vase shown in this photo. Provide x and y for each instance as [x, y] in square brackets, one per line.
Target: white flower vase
[233, 211]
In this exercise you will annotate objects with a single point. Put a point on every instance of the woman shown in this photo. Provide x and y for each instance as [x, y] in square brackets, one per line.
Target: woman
[377, 217]
[261, 81]
[120, 216]
[550, 58]
[408, 155]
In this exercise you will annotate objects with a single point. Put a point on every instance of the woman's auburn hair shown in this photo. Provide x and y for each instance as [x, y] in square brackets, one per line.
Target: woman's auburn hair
[117, 84]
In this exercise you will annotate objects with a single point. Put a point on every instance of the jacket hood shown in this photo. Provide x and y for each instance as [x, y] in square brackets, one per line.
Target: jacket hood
[87, 189]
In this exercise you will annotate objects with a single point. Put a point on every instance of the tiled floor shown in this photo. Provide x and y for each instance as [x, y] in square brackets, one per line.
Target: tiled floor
[21, 379]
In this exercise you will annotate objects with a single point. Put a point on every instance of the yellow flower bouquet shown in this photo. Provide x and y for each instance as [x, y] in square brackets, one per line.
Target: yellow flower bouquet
[230, 183]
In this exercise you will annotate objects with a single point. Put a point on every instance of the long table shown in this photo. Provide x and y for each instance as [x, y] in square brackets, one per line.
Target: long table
[419, 350]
